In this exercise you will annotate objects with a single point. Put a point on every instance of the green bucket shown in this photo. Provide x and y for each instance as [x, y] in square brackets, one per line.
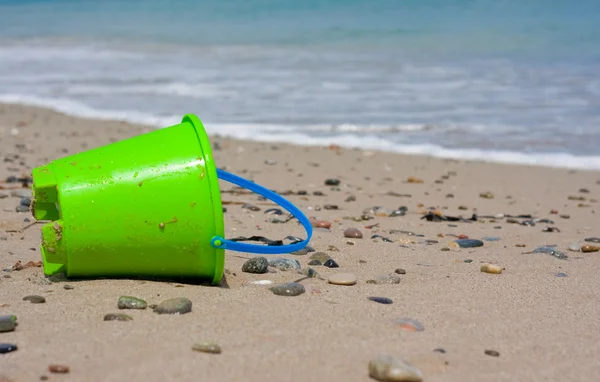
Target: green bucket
[146, 206]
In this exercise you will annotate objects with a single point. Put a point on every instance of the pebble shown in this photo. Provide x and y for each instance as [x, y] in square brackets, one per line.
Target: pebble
[350, 198]
[590, 248]
[21, 208]
[400, 271]
[353, 233]
[491, 268]
[592, 240]
[180, 305]
[288, 289]
[284, 264]
[59, 369]
[256, 265]
[343, 279]
[128, 302]
[381, 300]
[552, 252]
[321, 257]
[207, 347]
[330, 207]
[440, 350]
[389, 369]
[308, 272]
[469, 243]
[21, 193]
[117, 317]
[301, 252]
[560, 274]
[492, 353]
[320, 223]
[68, 287]
[332, 182]
[250, 207]
[409, 325]
[261, 282]
[8, 323]
[486, 195]
[35, 299]
[386, 279]
[7, 348]
[414, 180]
[331, 264]
[574, 247]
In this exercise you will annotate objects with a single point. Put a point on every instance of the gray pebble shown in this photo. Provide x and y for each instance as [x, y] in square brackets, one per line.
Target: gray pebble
[117, 317]
[385, 279]
[308, 272]
[25, 201]
[284, 264]
[7, 348]
[321, 257]
[7, 323]
[315, 262]
[288, 289]
[68, 287]
[35, 299]
[128, 302]
[256, 265]
[389, 369]
[179, 305]
[301, 252]
[21, 208]
[207, 347]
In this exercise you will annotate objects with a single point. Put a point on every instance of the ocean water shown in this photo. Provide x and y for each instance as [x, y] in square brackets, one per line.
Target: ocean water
[507, 81]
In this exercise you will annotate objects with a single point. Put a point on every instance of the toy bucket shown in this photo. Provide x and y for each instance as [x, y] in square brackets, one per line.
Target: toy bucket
[145, 206]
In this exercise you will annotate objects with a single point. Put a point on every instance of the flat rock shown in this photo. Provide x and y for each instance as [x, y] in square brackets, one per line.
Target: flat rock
[381, 300]
[35, 299]
[7, 348]
[180, 305]
[207, 347]
[469, 243]
[353, 233]
[389, 369]
[128, 302]
[343, 279]
[117, 317]
[257, 265]
[288, 289]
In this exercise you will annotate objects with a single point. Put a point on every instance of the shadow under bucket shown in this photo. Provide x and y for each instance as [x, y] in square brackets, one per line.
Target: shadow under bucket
[145, 206]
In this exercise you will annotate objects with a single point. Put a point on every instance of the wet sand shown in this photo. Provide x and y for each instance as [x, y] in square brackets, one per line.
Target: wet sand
[544, 326]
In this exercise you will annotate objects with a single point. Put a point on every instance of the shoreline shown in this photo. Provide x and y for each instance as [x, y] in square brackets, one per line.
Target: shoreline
[536, 320]
[556, 160]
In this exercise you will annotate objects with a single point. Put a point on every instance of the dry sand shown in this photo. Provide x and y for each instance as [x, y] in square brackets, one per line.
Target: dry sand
[546, 328]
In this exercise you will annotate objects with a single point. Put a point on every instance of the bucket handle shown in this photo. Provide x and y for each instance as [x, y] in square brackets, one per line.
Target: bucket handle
[221, 243]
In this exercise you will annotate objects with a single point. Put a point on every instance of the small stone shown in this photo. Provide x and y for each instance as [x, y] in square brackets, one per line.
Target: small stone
[180, 305]
[592, 240]
[320, 223]
[385, 279]
[330, 206]
[560, 274]
[414, 180]
[584, 190]
[7, 348]
[8, 323]
[256, 265]
[469, 243]
[315, 262]
[389, 369]
[59, 369]
[68, 287]
[590, 248]
[284, 264]
[343, 279]
[409, 325]
[301, 252]
[491, 238]
[381, 300]
[552, 252]
[463, 208]
[468, 261]
[25, 201]
[321, 257]
[332, 182]
[440, 350]
[492, 353]
[308, 272]
[350, 198]
[250, 207]
[117, 317]
[400, 271]
[21, 208]
[207, 347]
[331, 264]
[128, 302]
[288, 289]
[35, 299]
[491, 268]
[486, 195]
[353, 233]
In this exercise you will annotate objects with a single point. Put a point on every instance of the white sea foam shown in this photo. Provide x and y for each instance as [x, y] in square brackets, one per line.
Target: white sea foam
[351, 137]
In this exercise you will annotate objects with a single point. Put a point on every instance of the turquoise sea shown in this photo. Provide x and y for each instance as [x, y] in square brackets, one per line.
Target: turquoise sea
[508, 81]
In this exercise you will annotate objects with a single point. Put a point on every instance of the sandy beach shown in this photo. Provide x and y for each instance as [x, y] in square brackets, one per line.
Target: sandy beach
[540, 315]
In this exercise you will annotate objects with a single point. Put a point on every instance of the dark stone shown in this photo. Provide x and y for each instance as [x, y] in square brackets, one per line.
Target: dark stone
[35, 299]
[492, 353]
[331, 264]
[288, 289]
[381, 300]
[117, 317]
[592, 240]
[68, 287]
[256, 265]
[469, 243]
[552, 252]
[400, 271]
[7, 348]
[332, 182]
[25, 201]
[440, 350]
[21, 208]
[180, 305]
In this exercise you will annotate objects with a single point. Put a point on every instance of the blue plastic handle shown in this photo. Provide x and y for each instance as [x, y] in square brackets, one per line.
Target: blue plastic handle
[221, 243]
